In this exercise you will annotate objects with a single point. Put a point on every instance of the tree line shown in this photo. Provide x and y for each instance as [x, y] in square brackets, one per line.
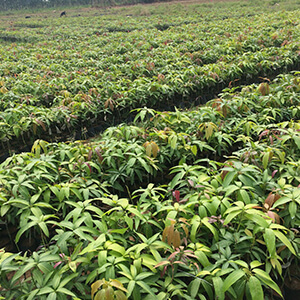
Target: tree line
[23, 4]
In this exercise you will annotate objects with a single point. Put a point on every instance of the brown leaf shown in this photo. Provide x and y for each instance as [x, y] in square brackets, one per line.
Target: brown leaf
[178, 262]
[109, 293]
[162, 263]
[176, 241]
[186, 231]
[264, 88]
[166, 233]
[119, 295]
[41, 123]
[270, 200]
[90, 155]
[155, 149]
[96, 285]
[148, 149]
[98, 153]
[117, 284]
[34, 127]
[275, 218]
[109, 103]
[160, 77]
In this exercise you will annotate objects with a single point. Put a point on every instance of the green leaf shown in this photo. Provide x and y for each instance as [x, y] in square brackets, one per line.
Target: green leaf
[285, 241]
[52, 296]
[230, 189]
[266, 279]
[130, 287]
[72, 266]
[244, 196]
[44, 228]
[136, 213]
[85, 192]
[257, 219]
[120, 231]
[293, 208]
[65, 291]
[218, 286]
[143, 275]
[36, 211]
[149, 262]
[208, 288]
[202, 258]
[281, 201]
[265, 159]
[170, 217]
[269, 238]
[22, 271]
[24, 229]
[232, 278]
[228, 178]
[255, 288]
[144, 164]
[231, 216]
[31, 295]
[297, 140]
[173, 141]
[45, 290]
[210, 227]
[75, 191]
[241, 263]
[194, 149]
[4, 209]
[194, 287]
[56, 279]
[131, 162]
[102, 257]
[146, 287]
[34, 198]
[117, 248]
[95, 209]
[83, 235]
[195, 226]
[176, 179]
[255, 264]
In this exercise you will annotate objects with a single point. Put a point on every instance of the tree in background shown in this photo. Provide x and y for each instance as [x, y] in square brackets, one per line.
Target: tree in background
[103, 3]
[23, 4]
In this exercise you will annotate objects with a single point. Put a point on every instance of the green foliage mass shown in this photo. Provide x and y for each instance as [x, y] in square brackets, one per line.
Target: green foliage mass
[184, 204]
[191, 226]
[62, 77]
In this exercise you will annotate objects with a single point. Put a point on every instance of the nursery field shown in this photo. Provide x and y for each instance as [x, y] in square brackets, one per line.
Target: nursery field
[151, 152]
[74, 76]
